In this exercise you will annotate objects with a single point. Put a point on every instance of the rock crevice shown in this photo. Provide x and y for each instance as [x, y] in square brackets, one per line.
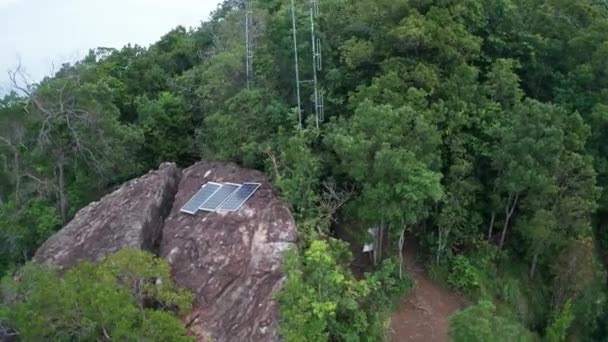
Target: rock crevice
[230, 261]
[131, 216]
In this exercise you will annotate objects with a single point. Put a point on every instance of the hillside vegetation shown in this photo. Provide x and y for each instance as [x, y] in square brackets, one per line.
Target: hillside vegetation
[479, 127]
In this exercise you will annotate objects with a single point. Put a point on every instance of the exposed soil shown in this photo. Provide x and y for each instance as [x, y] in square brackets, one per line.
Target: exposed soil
[424, 314]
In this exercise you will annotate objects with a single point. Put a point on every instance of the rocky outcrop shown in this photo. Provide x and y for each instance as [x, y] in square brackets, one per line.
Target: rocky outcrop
[132, 216]
[231, 261]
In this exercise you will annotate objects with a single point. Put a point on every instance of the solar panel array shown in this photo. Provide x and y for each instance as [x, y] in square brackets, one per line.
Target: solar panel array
[239, 197]
[220, 197]
[200, 197]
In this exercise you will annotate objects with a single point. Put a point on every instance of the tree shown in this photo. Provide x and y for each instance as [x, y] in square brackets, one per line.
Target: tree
[481, 322]
[129, 296]
[23, 229]
[74, 122]
[527, 154]
[297, 173]
[13, 131]
[455, 120]
[575, 270]
[168, 130]
[396, 178]
[321, 300]
[253, 111]
[558, 330]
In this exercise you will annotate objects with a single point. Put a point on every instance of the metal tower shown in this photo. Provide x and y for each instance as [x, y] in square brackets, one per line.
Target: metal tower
[317, 95]
[249, 41]
[297, 67]
[317, 64]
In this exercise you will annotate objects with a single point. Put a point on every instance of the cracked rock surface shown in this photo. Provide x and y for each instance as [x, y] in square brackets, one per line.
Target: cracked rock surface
[231, 261]
[131, 216]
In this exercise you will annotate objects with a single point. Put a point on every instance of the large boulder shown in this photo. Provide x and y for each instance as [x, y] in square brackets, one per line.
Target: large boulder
[132, 216]
[231, 261]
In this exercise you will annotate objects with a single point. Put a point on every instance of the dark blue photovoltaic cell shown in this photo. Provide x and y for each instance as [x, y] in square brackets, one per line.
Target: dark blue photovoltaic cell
[219, 197]
[239, 197]
[200, 197]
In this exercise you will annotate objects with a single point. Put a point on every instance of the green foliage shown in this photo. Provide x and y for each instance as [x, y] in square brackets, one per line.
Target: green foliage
[321, 299]
[297, 171]
[396, 179]
[89, 302]
[22, 231]
[479, 126]
[167, 129]
[482, 322]
[251, 111]
[387, 287]
[463, 275]
[558, 330]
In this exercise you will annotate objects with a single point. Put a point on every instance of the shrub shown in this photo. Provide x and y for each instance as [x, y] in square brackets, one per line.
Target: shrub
[97, 302]
[322, 301]
[558, 330]
[386, 287]
[481, 323]
[463, 275]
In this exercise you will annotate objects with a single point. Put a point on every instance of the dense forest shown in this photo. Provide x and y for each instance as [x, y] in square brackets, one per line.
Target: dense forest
[479, 128]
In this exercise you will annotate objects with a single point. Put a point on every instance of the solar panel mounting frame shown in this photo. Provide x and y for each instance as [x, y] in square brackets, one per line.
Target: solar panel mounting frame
[210, 209]
[242, 201]
[184, 208]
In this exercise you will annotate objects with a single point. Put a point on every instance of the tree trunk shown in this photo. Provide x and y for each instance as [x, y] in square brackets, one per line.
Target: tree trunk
[442, 243]
[503, 235]
[401, 243]
[509, 209]
[63, 206]
[379, 238]
[491, 228]
[533, 266]
[438, 253]
[17, 179]
[376, 245]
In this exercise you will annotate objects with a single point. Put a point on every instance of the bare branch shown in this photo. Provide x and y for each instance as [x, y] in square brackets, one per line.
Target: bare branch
[8, 143]
[19, 80]
[333, 199]
[275, 163]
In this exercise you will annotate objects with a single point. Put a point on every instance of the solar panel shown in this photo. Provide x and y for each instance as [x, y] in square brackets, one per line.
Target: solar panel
[200, 197]
[219, 197]
[239, 197]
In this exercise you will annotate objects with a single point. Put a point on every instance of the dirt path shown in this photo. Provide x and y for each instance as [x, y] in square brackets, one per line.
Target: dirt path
[424, 314]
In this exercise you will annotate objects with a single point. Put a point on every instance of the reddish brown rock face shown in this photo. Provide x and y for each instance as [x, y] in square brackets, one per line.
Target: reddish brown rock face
[231, 261]
[132, 216]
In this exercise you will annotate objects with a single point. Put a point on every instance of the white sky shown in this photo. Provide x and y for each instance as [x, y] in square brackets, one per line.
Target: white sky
[46, 32]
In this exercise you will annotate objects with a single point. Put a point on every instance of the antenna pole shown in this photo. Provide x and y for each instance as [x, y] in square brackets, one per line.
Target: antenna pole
[314, 59]
[248, 41]
[297, 67]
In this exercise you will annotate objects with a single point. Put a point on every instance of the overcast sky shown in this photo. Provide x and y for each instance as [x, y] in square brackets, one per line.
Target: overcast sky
[46, 32]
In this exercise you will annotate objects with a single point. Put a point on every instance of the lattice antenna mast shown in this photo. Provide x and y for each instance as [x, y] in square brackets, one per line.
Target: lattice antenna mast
[296, 59]
[249, 41]
[317, 63]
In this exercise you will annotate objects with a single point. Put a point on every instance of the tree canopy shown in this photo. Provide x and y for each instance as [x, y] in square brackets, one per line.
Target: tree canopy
[130, 296]
[477, 127]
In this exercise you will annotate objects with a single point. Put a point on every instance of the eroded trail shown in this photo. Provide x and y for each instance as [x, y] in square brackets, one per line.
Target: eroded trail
[424, 314]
